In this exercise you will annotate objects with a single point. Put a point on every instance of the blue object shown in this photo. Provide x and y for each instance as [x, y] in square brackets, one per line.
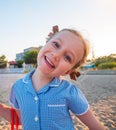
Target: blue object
[48, 108]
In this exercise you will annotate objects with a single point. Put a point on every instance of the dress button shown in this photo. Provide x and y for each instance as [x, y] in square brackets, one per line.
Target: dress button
[35, 98]
[36, 118]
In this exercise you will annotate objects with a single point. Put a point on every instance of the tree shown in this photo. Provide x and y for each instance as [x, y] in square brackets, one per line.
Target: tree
[106, 62]
[3, 61]
[19, 63]
[30, 57]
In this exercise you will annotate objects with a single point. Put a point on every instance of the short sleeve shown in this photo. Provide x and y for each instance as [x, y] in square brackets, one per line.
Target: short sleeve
[13, 98]
[78, 103]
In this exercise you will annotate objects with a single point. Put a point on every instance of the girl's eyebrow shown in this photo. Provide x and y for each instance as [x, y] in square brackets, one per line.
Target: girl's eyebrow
[60, 40]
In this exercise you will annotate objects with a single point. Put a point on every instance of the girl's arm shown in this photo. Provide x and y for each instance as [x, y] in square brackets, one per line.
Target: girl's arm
[90, 121]
[5, 112]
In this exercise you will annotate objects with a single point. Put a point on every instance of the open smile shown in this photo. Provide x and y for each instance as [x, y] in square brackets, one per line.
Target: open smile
[49, 63]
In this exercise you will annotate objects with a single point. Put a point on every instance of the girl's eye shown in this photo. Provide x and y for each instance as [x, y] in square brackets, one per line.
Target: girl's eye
[67, 58]
[56, 44]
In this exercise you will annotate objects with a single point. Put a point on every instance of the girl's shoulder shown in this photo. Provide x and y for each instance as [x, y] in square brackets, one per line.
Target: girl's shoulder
[69, 83]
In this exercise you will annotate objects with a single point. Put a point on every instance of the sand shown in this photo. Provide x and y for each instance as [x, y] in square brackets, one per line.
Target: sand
[100, 91]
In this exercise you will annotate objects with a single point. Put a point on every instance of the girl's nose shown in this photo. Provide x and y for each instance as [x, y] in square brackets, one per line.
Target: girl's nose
[56, 55]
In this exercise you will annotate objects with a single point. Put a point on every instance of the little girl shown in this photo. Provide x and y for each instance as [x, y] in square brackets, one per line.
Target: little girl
[42, 99]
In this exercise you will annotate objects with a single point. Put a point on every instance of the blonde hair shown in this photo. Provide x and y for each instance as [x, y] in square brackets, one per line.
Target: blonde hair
[86, 45]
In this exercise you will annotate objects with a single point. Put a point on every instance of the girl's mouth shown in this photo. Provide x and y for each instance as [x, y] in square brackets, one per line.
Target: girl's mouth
[49, 62]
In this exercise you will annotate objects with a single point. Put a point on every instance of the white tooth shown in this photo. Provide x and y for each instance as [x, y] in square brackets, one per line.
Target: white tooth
[49, 61]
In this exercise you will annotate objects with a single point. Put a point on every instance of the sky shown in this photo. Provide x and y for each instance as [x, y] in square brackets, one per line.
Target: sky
[26, 23]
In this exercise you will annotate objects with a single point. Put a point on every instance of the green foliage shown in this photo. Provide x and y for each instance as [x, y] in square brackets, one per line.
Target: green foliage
[106, 62]
[3, 61]
[19, 63]
[104, 59]
[107, 65]
[30, 57]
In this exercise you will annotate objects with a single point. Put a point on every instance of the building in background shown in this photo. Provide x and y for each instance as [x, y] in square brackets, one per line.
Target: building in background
[12, 64]
[20, 56]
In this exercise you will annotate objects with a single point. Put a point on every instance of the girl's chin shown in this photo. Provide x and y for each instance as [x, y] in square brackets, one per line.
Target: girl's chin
[45, 70]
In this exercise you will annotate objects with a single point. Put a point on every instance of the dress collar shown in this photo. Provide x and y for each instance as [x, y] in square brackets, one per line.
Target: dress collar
[29, 85]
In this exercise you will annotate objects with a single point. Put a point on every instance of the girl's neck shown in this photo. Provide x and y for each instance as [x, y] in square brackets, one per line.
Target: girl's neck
[39, 80]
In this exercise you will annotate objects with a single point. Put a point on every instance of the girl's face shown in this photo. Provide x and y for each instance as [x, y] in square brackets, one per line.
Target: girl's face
[60, 54]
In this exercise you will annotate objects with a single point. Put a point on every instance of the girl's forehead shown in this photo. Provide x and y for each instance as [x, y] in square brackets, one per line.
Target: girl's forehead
[69, 38]
[62, 33]
[63, 36]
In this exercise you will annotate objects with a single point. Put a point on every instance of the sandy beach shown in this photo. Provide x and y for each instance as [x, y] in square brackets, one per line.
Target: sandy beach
[100, 91]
